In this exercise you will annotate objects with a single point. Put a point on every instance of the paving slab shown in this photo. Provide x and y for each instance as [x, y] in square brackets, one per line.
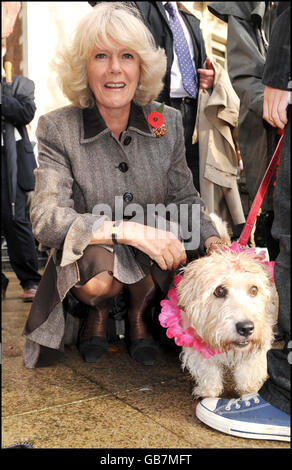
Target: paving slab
[115, 403]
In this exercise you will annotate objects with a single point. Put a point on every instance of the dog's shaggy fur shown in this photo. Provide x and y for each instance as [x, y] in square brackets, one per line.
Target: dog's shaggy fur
[248, 296]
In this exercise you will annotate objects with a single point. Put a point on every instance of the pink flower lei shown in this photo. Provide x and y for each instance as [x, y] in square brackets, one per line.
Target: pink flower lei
[170, 315]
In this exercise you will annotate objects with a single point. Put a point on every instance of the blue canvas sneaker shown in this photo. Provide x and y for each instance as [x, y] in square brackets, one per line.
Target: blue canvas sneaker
[249, 416]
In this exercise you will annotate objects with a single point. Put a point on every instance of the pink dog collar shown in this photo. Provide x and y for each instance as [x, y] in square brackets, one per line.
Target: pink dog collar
[170, 317]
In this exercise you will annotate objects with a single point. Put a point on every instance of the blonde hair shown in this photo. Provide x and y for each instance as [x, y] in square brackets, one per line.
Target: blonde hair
[107, 22]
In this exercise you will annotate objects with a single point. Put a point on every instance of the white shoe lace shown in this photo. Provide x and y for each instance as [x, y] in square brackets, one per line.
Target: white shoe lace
[245, 398]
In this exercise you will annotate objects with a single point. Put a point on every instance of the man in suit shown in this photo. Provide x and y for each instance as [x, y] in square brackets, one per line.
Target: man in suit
[161, 18]
[18, 109]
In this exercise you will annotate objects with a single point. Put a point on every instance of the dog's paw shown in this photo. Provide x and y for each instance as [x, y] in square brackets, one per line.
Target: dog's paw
[248, 390]
[204, 392]
[249, 384]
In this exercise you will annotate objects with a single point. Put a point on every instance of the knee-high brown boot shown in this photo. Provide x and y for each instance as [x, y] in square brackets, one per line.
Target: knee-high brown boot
[92, 342]
[143, 348]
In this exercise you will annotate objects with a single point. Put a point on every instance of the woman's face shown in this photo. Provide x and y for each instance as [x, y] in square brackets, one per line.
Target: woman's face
[113, 75]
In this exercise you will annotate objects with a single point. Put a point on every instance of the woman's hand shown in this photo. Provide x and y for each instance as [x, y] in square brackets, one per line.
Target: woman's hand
[161, 246]
[214, 244]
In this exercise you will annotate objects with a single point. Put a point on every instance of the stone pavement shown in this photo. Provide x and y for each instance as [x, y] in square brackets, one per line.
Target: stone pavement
[112, 404]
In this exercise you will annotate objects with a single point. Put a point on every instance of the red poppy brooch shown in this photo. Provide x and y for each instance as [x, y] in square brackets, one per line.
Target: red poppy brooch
[156, 121]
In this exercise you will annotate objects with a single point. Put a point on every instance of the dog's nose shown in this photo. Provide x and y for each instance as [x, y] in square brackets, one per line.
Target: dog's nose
[245, 328]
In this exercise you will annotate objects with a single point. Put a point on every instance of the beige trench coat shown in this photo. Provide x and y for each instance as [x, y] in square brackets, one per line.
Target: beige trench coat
[217, 114]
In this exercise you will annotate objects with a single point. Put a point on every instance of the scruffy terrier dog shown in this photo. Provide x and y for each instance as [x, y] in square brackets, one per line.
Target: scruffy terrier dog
[231, 302]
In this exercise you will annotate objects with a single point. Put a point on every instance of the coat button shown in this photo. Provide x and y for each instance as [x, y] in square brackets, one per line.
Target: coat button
[128, 197]
[123, 167]
[127, 140]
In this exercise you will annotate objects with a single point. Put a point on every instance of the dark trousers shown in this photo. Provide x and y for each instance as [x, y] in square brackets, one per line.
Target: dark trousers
[276, 390]
[188, 109]
[18, 234]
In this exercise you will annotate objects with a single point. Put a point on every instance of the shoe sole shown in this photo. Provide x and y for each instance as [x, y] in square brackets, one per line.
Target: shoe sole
[238, 428]
[92, 361]
[93, 358]
[92, 353]
[145, 362]
[137, 348]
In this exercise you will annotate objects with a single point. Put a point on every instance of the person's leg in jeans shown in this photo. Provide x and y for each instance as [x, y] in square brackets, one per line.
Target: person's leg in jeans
[276, 390]
[265, 415]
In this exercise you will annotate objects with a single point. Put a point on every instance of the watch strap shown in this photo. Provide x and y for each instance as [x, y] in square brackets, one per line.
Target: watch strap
[114, 233]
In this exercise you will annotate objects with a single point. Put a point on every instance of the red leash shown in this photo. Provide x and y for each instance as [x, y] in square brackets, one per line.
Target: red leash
[245, 234]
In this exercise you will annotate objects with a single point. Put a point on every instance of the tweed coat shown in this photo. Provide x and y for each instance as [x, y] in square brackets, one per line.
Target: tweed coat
[79, 168]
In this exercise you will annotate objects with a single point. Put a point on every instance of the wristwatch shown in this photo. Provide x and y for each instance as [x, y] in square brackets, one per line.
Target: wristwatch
[115, 229]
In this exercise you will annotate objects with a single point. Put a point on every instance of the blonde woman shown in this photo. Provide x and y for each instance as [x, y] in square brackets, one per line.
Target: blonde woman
[99, 159]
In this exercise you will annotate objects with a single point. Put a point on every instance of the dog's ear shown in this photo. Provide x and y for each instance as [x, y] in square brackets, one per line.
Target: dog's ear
[185, 289]
[273, 306]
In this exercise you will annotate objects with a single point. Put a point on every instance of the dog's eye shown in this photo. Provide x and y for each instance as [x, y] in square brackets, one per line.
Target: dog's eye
[253, 291]
[220, 291]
